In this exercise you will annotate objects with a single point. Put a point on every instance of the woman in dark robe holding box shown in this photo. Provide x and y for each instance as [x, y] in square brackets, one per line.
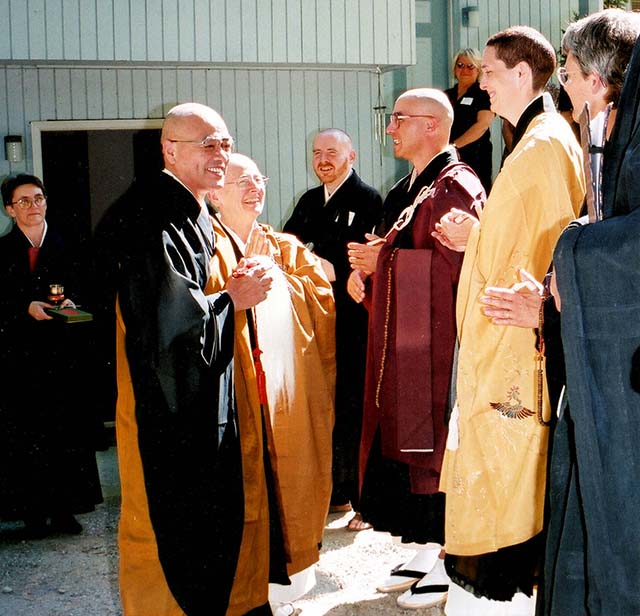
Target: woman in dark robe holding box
[48, 468]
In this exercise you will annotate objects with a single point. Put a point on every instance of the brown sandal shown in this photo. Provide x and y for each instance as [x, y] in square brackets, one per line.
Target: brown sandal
[356, 523]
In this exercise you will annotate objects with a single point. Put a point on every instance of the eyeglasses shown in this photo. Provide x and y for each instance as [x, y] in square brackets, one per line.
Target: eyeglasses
[210, 143]
[563, 75]
[27, 202]
[462, 65]
[398, 118]
[246, 181]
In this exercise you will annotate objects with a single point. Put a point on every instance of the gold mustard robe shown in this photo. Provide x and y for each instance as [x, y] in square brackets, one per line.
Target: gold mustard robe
[495, 479]
[301, 415]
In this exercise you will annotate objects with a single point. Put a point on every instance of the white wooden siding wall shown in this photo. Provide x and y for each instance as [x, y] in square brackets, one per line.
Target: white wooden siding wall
[549, 16]
[273, 114]
[248, 31]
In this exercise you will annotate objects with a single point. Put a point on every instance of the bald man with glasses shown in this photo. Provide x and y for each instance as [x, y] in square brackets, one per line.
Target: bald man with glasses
[181, 522]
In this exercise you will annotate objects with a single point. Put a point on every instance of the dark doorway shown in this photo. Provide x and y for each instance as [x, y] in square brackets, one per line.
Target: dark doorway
[85, 171]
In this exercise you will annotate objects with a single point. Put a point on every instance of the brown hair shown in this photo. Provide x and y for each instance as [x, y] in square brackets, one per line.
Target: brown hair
[525, 44]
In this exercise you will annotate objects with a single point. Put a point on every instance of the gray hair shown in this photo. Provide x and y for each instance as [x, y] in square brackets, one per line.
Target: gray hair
[602, 43]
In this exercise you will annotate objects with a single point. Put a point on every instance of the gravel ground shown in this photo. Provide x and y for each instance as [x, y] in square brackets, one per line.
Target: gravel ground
[77, 575]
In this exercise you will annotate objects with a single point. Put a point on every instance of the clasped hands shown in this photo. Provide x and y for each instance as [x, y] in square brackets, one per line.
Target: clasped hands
[453, 229]
[252, 278]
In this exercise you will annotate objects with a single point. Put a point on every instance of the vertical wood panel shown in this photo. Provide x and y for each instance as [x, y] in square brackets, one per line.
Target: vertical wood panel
[260, 147]
[266, 32]
[170, 42]
[309, 34]
[367, 41]
[214, 89]
[199, 86]
[31, 98]
[338, 32]
[138, 21]
[270, 31]
[278, 9]
[78, 94]
[88, 30]
[249, 31]
[4, 129]
[184, 86]
[169, 90]
[325, 117]
[154, 86]
[285, 168]
[243, 117]
[125, 93]
[62, 90]
[324, 25]
[109, 94]
[154, 30]
[37, 31]
[46, 89]
[94, 94]
[141, 107]
[393, 19]
[311, 105]
[227, 105]
[233, 28]
[293, 24]
[352, 32]
[338, 110]
[202, 31]
[218, 21]
[19, 29]
[71, 29]
[5, 41]
[105, 41]
[186, 31]
[275, 196]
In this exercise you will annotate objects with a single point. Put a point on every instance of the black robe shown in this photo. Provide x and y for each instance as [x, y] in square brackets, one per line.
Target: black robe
[593, 564]
[353, 210]
[179, 347]
[478, 153]
[49, 430]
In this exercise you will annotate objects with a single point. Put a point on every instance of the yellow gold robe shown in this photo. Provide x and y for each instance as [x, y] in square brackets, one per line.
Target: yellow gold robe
[298, 343]
[495, 479]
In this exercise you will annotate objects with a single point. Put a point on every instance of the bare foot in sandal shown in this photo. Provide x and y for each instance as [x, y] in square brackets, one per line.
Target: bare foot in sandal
[356, 523]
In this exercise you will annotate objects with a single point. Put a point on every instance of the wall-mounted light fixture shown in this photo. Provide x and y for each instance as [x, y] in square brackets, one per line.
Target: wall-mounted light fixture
[13, 150]
[471, 17]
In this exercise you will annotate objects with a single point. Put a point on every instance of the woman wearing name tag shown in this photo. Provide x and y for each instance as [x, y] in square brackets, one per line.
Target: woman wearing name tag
[47, 460]
[472, 116]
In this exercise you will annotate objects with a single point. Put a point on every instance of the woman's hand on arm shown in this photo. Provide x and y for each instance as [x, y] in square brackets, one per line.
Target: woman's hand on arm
[475, 131]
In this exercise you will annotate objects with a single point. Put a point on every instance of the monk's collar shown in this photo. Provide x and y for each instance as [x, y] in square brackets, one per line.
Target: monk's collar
[540, 104]
[436, 165]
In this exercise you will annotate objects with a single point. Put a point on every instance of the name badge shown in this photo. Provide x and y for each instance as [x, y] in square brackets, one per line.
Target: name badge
[467, 100]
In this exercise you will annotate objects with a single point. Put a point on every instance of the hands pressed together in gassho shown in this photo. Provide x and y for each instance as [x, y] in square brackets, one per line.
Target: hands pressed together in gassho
[253, 276]
[363, 259]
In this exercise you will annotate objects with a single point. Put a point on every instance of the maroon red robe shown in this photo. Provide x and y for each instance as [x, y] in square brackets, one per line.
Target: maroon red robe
[411, 303]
